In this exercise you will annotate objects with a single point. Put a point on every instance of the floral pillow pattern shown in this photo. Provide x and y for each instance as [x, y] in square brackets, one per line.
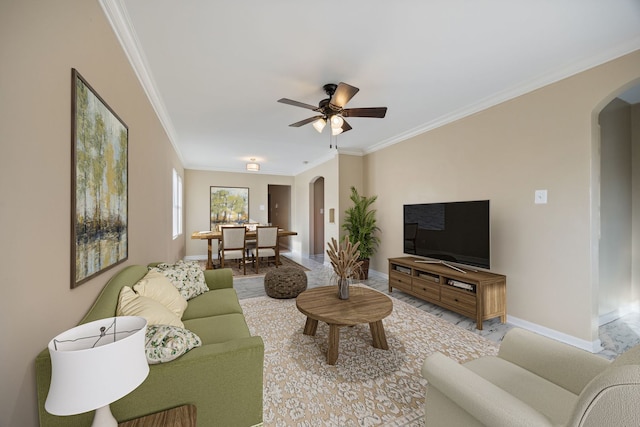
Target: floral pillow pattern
[187, 277]
[164, 343]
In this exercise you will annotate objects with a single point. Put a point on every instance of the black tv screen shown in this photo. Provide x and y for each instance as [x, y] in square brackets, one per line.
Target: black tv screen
[456, 232]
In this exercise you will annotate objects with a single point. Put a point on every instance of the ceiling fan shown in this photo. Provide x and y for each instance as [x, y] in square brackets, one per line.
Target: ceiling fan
[332, 109]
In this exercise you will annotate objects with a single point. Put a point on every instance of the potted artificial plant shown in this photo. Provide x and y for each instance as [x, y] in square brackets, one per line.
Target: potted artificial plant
[360, 224]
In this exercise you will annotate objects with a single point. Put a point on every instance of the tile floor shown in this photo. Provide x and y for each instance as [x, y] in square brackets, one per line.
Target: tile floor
[616, 336]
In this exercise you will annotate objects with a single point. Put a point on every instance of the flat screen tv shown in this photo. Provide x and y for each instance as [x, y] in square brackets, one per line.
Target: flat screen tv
[456, 232]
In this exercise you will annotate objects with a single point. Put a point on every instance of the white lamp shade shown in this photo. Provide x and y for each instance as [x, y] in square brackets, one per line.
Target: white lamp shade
[91, 370]
[336, 121]
[319, 125]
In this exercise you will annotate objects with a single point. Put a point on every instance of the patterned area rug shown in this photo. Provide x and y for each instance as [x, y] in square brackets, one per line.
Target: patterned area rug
[251, 271]
[367, 386]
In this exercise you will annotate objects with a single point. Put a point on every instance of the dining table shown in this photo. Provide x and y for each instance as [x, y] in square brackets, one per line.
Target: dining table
[213, 235]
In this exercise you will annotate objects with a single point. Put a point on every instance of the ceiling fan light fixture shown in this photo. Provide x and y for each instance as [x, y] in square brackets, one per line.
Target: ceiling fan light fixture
[319, 125]
[336, 131]
[336, 122]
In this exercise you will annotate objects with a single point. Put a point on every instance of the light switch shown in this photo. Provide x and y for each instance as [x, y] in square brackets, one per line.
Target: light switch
[261, 207]
[541, 197]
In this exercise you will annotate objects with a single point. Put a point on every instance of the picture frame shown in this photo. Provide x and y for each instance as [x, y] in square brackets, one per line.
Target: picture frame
[228, 205]
[99, 184]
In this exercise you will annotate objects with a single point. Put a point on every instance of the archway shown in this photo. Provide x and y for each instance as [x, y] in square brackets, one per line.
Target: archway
[616, 205]
[316, 216]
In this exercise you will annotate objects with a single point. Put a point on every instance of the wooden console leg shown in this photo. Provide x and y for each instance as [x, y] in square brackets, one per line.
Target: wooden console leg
[378, 335]
[334, 342]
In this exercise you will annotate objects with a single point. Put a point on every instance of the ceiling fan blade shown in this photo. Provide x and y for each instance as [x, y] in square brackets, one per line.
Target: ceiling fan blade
[345, 126]
[305, 121]
[376, 112]
[343, 94]
[297, 104]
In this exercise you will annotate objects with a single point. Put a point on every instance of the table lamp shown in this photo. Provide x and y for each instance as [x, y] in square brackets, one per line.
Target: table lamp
[95, 364]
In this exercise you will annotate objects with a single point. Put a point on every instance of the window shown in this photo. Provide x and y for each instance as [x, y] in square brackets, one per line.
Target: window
[177, 204]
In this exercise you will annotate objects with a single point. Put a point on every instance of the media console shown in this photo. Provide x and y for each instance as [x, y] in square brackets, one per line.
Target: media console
[479, 295]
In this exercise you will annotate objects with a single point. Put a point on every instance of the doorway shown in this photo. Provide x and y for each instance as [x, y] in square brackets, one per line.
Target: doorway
[316, 216]
[619, 207]
[279, 210]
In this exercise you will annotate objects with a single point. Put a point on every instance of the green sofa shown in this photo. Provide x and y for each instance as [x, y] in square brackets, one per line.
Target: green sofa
[222, 378]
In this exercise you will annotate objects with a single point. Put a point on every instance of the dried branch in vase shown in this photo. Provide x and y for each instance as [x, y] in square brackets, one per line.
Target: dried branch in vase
[345, 258]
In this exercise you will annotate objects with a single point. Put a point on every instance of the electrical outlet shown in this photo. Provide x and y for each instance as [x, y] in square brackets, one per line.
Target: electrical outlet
[540, 197]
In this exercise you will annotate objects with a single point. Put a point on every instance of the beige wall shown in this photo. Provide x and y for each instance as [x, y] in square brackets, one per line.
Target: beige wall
[39, 44]
[197, 199]
[542, 140]
[351, 174]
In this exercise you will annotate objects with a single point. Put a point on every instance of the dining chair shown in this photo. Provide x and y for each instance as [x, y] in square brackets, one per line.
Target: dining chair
[266, 245]
[250, 243]
[233, 246]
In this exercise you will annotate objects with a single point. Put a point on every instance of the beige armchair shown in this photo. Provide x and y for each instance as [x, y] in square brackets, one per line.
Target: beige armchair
[534, 381]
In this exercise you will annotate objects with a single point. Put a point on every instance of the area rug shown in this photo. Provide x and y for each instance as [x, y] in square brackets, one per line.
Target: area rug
[251, 271]
[367, 386]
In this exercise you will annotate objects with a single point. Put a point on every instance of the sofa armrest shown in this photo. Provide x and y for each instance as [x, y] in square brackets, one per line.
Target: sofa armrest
[572, 368]
[219, 279]
[477, 396]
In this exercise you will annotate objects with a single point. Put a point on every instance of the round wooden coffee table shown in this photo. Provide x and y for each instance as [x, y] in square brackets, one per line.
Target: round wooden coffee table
[364, 305]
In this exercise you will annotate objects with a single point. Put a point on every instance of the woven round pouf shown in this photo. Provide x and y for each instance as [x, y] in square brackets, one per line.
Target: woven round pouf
[285, 282]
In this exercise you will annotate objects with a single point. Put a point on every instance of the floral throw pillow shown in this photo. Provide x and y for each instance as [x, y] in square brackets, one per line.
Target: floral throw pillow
[164, 343]
[187, 277]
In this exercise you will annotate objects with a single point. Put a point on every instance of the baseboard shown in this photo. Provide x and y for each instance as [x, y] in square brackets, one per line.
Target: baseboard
[633, 307]
[591, 346]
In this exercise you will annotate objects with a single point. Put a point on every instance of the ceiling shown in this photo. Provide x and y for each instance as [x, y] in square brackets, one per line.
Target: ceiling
[214, 70]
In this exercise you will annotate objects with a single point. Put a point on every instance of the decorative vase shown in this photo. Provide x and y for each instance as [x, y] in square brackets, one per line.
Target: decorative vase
[343, 288]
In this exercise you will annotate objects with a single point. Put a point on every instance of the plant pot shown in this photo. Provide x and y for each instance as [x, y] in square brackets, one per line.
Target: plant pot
[364, 269]
[343, 288]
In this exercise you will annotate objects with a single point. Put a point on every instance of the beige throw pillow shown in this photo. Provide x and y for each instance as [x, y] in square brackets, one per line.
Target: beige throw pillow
[132, 304]
[158, 287]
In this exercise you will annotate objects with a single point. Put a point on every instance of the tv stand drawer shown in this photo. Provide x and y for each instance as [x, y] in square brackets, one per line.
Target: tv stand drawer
[465, 301]
[427, 290]
[399, 280]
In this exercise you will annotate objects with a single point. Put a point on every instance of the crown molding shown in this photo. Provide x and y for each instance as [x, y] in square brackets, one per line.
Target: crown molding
[118, 17]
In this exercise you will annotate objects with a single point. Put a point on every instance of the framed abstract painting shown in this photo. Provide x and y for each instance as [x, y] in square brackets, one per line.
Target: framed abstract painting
[229, 205]
[99, 188]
